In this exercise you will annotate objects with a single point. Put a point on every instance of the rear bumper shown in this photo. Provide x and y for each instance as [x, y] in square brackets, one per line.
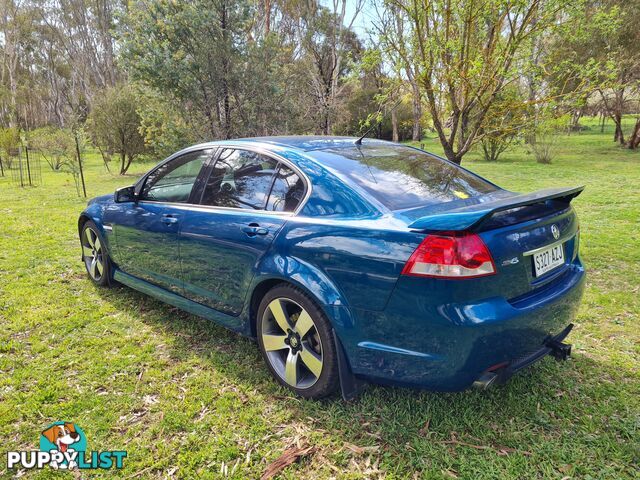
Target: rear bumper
[447, 347]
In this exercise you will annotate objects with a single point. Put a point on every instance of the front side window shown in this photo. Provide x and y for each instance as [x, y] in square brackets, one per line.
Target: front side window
[173, 181]
[240, 179]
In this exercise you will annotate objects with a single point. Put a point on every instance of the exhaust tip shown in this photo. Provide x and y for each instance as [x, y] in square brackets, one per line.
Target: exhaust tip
[485, 381]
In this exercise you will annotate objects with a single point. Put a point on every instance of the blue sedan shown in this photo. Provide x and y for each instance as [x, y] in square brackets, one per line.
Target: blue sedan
[349, 261]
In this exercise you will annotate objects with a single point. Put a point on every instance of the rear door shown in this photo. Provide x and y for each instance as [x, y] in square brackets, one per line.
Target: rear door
[245, 201]
[147, 234]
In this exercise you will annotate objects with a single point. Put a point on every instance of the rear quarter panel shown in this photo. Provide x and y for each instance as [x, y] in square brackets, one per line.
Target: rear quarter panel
[360, 258]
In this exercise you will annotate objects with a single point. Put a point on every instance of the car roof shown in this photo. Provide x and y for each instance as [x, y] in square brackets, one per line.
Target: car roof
[302, 143]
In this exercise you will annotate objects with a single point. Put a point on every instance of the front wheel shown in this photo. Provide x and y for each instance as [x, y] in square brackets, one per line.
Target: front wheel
[94, 254]
[295, 339]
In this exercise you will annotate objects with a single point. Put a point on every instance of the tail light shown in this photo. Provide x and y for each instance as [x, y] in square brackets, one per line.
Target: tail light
[444, 256]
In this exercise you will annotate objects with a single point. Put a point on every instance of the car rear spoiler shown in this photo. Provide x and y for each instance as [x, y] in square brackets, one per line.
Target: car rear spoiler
[472, 216]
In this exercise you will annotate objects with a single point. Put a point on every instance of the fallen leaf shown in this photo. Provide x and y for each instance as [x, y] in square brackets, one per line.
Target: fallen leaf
[425, 430]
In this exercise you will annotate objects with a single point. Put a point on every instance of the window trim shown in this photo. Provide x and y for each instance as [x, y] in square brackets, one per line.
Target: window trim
[211, 162]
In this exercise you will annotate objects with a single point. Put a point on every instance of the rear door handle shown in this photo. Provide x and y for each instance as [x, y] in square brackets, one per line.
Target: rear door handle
[254, 229]
[169, 219]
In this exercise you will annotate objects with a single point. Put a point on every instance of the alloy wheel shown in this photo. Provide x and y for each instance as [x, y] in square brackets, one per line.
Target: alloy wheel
[92, 254]
[292, 343]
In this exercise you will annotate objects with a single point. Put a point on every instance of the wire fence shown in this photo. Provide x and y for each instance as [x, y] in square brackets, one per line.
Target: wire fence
[24, 168]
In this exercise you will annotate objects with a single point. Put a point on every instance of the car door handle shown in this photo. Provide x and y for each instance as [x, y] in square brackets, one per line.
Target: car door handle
[254, 229]
[169, 219]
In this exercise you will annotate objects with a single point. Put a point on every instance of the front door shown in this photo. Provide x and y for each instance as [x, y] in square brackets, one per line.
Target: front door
[245, 201]
[147, 232]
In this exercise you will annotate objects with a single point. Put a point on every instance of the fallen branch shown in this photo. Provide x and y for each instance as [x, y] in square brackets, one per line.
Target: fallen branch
[289, 456]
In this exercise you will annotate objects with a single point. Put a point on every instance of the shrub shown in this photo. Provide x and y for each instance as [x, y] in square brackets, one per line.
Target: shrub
[114, 124]
[56, 145]
[9, 143]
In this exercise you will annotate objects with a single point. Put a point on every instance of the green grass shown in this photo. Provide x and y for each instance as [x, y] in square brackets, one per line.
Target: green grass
[187, 398]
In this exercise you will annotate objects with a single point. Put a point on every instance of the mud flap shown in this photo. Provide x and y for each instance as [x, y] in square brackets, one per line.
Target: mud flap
[350, 386]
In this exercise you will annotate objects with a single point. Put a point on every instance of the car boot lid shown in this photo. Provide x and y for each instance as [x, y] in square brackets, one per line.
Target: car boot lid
[470, 217]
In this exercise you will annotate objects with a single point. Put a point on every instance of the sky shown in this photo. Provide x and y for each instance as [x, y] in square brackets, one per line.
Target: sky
[363, 22]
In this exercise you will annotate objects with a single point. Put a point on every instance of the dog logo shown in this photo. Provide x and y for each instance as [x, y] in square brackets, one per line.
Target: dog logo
[63, 445]
[63, 437]
[555, 231]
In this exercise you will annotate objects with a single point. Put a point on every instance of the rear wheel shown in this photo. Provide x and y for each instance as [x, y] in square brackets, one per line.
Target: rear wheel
[296, 341]
[94, 254]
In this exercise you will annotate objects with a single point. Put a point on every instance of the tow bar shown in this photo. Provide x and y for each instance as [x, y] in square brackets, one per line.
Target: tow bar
[554, 347]
[560, 351]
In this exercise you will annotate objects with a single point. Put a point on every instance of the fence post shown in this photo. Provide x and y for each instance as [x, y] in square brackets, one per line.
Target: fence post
[84, 189]
[26, 151]
[20, 168]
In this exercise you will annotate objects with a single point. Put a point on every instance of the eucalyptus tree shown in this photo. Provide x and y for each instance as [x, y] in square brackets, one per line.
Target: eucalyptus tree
[54, 54]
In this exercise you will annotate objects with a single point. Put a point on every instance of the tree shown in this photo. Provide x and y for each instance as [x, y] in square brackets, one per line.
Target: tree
[54, 55]
[330, 45]
[393, 31]
[598, 54]
[468, 51]
[115, 124]
[192, 51]
[164, 128]
[504, 123]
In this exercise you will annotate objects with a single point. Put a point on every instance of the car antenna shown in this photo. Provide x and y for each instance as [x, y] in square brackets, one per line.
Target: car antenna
[359, 140]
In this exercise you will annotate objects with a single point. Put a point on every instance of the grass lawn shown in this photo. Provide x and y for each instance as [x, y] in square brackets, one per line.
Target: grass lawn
[188, 399]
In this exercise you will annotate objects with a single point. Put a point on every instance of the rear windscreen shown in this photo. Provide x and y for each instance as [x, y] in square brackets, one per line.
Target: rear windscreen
[402, 177]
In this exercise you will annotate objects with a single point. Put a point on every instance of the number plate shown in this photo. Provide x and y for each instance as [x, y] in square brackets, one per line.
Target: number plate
[548, 259]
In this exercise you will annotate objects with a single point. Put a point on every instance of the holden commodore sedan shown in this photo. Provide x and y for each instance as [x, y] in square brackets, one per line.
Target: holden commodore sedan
[349, 261]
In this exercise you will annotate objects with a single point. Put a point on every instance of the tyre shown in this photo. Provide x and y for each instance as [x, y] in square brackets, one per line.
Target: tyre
[94, 254]
[296, 342]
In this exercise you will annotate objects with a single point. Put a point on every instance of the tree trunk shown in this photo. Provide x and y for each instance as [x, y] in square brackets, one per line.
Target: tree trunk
[123, 157]
[225, 69]
[129, 160]
[634, 139]
[455, 158]
[267, 17]
[416, 135]
[394, 125]
[618, 136]
[617, 115]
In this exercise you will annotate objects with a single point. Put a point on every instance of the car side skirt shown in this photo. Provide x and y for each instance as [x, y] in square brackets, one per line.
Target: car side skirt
[182, 303]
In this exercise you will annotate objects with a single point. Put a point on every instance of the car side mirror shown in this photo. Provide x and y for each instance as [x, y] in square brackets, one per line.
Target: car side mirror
[126, 194]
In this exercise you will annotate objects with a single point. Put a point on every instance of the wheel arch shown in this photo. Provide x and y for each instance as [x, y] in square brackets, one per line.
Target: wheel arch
[94, 214]
[280, 270]
[84, 218]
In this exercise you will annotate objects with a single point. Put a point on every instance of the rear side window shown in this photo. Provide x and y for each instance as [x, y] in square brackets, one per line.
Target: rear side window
[240, 179]
[402, 177]
[287, 191]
